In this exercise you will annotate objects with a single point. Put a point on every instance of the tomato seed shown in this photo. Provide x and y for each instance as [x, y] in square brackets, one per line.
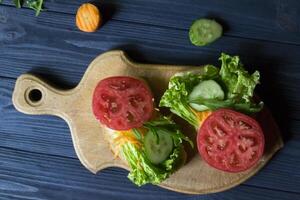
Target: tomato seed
[113, 106]
[229, 120]
[129, 117]
[222, 145]
[219, 131]
[209, 140]
[107, 98]
[221, 148]
[106, 117]
[247, 141]
[134, 100]
[252, 155]
[133, 103]
[209, 150]
[242, 148]
[119, 86]
[244, 126]
[233, 160]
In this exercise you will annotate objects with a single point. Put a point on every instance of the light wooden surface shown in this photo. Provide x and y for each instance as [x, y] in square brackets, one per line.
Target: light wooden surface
[89, 138]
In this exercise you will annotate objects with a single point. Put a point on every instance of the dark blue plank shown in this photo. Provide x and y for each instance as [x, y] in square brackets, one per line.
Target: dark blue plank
[26, 175]
[265, 20]
[29, 133]
[20, 34]
[65, 55]
[277, 174]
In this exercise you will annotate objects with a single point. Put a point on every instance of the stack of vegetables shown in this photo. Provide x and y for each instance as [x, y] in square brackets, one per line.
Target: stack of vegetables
[209, 100]
[151, 144]
[193, 95]
[153, 151]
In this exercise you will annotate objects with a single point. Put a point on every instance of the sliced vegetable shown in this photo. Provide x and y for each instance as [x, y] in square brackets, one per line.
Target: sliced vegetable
[205, 31]
[122, 103]
[142, 171]
[230, 141]
[182, 95]
[213, 104]
[158, 146]
[208, 89]
[227, 140]
[147, 164]
[176, 97]
[126, 104]
[88, 17]
[167, 126]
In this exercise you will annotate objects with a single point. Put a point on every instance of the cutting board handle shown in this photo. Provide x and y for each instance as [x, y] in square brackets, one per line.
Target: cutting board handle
[34, 96]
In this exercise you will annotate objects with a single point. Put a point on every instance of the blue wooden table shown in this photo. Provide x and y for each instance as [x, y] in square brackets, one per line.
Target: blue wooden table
[37, 159]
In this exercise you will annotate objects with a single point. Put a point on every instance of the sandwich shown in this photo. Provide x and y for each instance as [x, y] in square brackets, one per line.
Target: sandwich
[220, 103]
[151, 144]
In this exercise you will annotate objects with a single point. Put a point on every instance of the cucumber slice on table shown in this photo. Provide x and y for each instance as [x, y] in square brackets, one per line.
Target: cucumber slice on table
[205, 31]
[158, 152]
[208, 89]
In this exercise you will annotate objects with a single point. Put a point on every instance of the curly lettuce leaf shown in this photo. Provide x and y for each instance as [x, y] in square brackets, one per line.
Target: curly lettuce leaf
[167, 126]
[180, 86]
[142, 170]
[239, 83]
[236, 82]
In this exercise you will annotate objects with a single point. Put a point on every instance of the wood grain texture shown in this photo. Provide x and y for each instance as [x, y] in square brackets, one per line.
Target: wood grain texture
[29, 133]
[26, 175]
[264, 20]
[19, 34]
[67, 52]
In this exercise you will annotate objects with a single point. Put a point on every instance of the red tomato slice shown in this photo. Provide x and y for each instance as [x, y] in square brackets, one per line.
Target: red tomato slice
[230, 141]
[122, 103]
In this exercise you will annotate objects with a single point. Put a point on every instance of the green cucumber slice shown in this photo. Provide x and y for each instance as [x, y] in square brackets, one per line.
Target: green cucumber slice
[205, 31]
[158, 152]
[208, 89]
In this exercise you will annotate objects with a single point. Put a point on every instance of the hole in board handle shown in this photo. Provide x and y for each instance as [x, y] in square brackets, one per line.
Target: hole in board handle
[34, 96]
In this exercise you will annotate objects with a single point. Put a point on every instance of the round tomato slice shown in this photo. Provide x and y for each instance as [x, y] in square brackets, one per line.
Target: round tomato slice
[230, 141]
[122, 102]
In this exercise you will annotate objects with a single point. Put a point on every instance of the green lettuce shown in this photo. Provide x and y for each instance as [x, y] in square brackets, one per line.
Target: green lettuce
[239, 83]
[236, 82]
[180, 86]
[215, 104]
[142, 170]
[36, 5]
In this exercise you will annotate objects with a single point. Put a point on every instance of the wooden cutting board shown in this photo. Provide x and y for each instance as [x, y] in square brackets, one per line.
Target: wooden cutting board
[34, 96]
